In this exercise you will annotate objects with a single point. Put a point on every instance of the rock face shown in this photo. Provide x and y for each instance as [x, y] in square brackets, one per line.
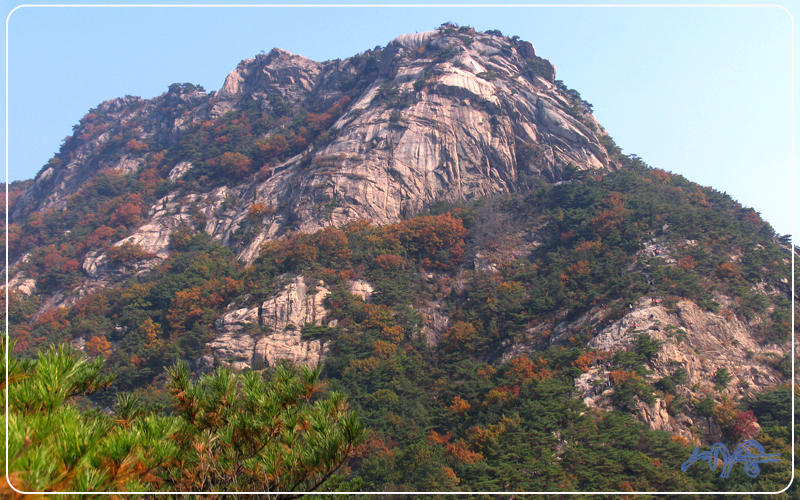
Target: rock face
[440, 115]
[297, 305]
[361, 288]
[699, 341]
[444, 117]
[249, 338]
[473, 127]
[84, 154]
[702, 343]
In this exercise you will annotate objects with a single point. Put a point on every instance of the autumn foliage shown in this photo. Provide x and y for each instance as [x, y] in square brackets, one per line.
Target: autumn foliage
[98, 346]
[258, 210]
[437, 241]
[199, 303]
[127, 253]
[459, 405]
[458, 450]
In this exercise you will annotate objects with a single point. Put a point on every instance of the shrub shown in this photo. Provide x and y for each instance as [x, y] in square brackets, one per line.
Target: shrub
[646, 346]
[235, 165]
[627, 387]
[721, 379]
[391, 263]
[258, 210]
[705, 407]
[668, 383]
[127, 253]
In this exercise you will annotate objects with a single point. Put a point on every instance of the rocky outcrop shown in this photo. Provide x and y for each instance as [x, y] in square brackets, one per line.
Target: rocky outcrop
[261, 337]
[89, 150]
[473, 126]
[279, 72]
[699, 341]
[702, 342]
[436, 323]
[440, 117]
[361, 288]
[297, 305]
[477, 120]
[22, 284]
[288, 346]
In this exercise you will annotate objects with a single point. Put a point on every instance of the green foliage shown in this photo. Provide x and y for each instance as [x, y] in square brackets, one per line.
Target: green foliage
[312, 331]
[721, 379]
[705, 407]
[628, 390]
[54, 446]
[245, 433]
[446, 54]
[670, 382]
[773, 407]
[440, 416]
[574, 97]
[647, 346]
[185, 87]
[392, 97]
[630, 361]
[540, 67]
[226, 433]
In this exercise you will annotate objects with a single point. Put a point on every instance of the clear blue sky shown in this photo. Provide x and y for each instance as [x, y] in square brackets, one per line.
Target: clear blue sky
[704, 92]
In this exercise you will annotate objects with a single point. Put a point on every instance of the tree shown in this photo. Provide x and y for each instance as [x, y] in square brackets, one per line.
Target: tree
[462, 337]
[647, 346]
[98, 346]
[227, 432]
[235, 165]
[721, 379]
[127, 254]
[245, 433]
[53, 446]
[333, 248]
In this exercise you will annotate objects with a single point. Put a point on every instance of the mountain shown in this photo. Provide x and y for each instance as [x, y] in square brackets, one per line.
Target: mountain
[433, 116]
[445, 227]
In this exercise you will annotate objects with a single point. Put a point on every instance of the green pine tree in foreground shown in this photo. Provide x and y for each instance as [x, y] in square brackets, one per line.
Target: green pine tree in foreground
[227, 432]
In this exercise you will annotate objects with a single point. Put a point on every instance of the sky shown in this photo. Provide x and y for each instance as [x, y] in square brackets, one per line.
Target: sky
[703, 91]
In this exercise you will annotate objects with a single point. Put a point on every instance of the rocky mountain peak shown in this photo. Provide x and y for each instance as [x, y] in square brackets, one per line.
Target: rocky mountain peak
[290, 144]
[279, 71]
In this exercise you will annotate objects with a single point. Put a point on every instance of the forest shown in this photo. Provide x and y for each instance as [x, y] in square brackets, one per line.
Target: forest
[387, 411]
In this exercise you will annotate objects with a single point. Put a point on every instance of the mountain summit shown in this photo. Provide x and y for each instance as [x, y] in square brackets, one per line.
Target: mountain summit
[450, 114]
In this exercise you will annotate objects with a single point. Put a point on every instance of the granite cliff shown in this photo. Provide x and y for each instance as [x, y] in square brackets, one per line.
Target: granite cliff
[440, 117]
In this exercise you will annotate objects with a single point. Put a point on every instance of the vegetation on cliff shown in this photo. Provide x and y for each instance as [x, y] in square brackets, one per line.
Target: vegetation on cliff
[452, 416]
[467, 366]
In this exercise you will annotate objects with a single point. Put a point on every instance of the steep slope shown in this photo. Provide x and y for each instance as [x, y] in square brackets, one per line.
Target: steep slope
[506, 300]
[450, 114]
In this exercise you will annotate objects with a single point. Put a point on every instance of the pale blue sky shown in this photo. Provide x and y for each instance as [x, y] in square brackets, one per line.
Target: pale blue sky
[703, 91]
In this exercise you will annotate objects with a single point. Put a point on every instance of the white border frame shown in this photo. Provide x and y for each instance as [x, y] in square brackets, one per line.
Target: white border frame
[340, 6]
